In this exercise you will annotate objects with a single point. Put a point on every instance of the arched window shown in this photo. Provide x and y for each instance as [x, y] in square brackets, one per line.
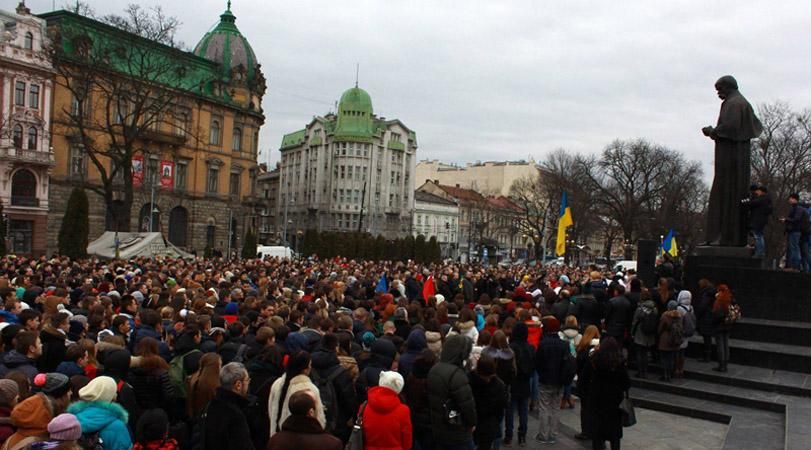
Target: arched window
[17, 136]
[29, 41]
[24, 188]
[32, 138]
[236, 140]
[214, 133]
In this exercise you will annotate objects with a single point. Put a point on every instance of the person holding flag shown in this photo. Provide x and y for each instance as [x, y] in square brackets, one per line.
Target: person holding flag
[669, 245]
[564, 221]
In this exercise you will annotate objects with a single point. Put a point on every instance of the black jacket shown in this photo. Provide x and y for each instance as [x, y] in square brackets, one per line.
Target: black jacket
[796, 218]
[607, 388]
[153, 388]
[226, 423]
[703, 310]
[549, 360]
[617, 316]
[561, 309]
[760, 208]
[491, 399]
[383, 354]
[524, 360]
[588, 311]
[447, 382]
[325, 363]
[53, 349]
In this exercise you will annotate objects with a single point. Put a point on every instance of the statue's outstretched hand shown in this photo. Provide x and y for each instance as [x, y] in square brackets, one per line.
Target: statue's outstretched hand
[707, 131]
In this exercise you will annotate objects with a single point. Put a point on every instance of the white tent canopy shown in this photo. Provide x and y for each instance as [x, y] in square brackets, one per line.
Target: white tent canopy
[133, 245]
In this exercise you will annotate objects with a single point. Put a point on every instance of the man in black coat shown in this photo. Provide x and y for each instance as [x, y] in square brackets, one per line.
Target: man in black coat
[449, 385]
[588, 311]
[224, 424]
[549, 364]
[327, 368]
[617, 313]
[760, 208]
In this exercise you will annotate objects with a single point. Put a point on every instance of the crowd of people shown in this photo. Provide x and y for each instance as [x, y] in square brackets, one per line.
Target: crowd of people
[164, 354]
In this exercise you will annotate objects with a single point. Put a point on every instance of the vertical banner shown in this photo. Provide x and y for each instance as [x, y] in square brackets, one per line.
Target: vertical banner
[137, 171]
[167, 174]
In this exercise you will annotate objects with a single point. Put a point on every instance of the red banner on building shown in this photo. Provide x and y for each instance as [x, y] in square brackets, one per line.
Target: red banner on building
[137, 171]
[167, 174]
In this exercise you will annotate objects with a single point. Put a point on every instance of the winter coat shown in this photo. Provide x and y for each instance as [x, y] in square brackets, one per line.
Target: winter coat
[640, 338]
[70, 368]
[325, 363]
[534, 333]
[107, 419]
[6, 428]
[383, 354]
[297, 383]
[351, 365]
[524, 361]
[605, 394]
[153, 387]
[303, 432]
[415, 344]
[447, 382]
[53, 349]
[588, 311]
[760, 208]
[17, 361]
[491, 400]
[719, 324]
[505, 363]
[416, 395]
[561, 309]
[572, 337]
[386, 421]
[703, 309]
[468, 329]
[617, 317]
[549, 360]
[665, 325]
[684, 308]
[142, 332]
[226, 424]
[434, 340]
[30, 418]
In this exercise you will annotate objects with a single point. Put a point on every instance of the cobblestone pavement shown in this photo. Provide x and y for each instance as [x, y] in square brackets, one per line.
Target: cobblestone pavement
[654, 431]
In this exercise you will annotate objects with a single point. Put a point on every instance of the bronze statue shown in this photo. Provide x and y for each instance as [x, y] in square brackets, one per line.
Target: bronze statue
[737, 125]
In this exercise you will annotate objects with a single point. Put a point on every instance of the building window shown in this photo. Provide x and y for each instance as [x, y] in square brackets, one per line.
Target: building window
[255, 142]
[252, 181]
[33, 96]
[213, 178]
[78, 162]
[22, 234]
[24, 188]
[151, 171]
[236, 140]
[19, 93]
[17, 136]
[32, 138]
[28, 42]
[181, 171]
[181, 122]
[214, 132]
[233, 184]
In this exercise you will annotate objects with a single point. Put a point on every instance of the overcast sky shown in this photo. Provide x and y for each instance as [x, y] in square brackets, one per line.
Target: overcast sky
[486, 80]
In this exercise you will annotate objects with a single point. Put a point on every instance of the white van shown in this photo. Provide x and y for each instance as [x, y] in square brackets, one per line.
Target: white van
[263, 251]
[624, 265]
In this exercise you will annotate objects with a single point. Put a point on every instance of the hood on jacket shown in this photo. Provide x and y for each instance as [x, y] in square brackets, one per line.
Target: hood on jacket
[96, 416]
[457, 349]
[433, 336]
[184, 344]
[570, 333]
[383, 399]
[416, 340]
[464, 326]
[117, 363]
[685, 298]
[296, 342]
[33, 415]
[520, 333]
[324, 359]
[383, 353]
[14, 359]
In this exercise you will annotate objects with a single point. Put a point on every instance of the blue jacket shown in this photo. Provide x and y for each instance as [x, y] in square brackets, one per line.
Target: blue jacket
[9, 317]
[108, 419]
[69, 368]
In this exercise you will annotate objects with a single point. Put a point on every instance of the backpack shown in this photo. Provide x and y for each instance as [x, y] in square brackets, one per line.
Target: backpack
[733, 314]
[177, 373]
[91, 441]
[676, 333]
[240, 356]
[688, 321]
[329, 399]
[649, 323]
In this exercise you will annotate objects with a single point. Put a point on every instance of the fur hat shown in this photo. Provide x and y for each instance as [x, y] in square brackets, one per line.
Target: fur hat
[392, 380]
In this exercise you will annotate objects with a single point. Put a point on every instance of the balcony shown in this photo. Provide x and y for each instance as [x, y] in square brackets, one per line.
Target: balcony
[26, 156]
[164, 137]
[19, 200]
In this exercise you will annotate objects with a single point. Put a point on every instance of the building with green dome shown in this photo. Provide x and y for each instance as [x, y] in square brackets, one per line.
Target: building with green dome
[348, 170]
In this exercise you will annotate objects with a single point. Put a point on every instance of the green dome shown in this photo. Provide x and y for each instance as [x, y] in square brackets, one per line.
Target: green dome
[355, 114]
[228, 47]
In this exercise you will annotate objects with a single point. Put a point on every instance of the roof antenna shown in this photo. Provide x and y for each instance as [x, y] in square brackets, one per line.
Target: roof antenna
[357, 72]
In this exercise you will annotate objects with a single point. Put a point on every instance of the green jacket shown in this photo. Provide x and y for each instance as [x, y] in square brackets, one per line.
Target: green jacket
[448, 381]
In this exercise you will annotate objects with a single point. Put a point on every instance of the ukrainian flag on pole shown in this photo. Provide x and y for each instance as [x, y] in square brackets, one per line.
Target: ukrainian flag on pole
[669, 244]
[564, 221]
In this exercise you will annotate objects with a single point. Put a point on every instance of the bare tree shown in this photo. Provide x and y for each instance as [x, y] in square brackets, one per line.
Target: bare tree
[781, 160]
[124, 94]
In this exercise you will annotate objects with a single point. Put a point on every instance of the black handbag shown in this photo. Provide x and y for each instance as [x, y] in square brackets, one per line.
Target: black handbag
[356, 438]
[627, 411]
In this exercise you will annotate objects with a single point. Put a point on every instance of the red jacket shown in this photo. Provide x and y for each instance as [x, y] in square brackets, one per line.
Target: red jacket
[386, 421]
[535, 333]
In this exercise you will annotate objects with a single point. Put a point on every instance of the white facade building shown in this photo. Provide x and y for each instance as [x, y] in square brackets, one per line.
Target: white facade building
[26, 157]
[435, 216]
[348, 172]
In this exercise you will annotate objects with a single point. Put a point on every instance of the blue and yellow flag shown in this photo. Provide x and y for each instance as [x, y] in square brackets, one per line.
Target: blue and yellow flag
[564, 221]
[383, 284]
[669, 244]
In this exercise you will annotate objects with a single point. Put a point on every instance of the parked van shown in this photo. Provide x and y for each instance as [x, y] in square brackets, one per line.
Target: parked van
[624, 265]
[264, 251]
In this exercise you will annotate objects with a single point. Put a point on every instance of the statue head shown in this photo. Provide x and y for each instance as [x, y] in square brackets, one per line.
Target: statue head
[726, 85]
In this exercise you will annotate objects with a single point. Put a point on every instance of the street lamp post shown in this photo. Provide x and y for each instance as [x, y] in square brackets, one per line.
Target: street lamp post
[284, 231]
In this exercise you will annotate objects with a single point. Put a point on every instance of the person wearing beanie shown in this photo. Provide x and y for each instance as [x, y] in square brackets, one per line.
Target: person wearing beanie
[30, 417]
[551, 375]
[302, 429]
[386, 420]
[231, 313]
[64, 431]
[56, 386]
[9, 394]
[152, 432]
[490, 394]
[383, 355]
[97, 413]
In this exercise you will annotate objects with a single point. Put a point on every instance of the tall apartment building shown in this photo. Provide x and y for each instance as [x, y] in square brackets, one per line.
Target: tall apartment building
[488, 178]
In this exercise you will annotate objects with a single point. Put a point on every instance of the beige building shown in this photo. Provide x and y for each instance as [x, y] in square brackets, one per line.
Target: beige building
[488, 178]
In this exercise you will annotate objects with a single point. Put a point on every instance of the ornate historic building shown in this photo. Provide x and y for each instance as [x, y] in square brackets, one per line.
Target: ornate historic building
[436, 216]
[26, 88]
[348, 171]
[194, 177]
